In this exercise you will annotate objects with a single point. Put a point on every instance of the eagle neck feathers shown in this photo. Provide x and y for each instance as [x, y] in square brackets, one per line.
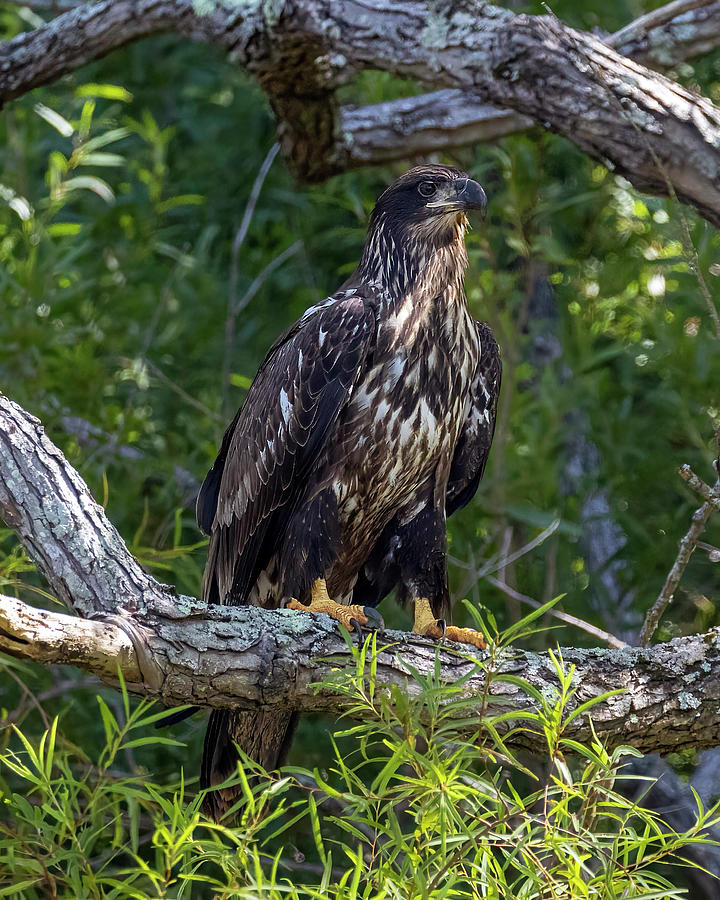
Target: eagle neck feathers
[422, 263]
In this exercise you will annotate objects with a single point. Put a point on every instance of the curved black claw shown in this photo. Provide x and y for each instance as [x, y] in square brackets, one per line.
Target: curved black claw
[375, 621]
[357, 628]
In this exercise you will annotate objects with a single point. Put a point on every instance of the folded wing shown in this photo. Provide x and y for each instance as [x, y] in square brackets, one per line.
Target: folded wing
[473, 447]
[276, 439]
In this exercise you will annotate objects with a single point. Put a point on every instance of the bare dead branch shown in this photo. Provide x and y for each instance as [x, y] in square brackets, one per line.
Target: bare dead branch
[183, 394]
[610, 639]
[687, 544]
[711, 495]
[240, 304]
[240, 235]
[59, 689]
[667, 594]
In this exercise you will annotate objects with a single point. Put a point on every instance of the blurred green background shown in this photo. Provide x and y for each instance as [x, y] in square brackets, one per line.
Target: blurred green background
[122, 188]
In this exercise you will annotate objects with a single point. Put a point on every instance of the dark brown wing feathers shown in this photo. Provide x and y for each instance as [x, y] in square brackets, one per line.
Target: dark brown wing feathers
[276, 438]
[473, 446]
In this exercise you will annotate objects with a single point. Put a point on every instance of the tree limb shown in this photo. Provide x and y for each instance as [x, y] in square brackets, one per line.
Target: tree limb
[302, 51]
[415, 126]
[179, 650]
[687, 546]
[228, 656]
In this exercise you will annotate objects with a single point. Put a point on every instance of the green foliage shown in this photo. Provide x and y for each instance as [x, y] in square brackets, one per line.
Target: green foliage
[419, 807]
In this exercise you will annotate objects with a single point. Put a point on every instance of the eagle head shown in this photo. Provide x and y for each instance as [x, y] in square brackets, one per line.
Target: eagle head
[417, 229]
[428, 201]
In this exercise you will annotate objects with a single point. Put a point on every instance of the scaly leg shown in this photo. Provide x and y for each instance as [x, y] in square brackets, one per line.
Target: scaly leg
[426, 624]
[349, 616]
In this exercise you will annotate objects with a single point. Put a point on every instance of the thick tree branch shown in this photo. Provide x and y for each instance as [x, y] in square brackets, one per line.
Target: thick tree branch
[179, 650]
[659, 135]
[223, 656]
[676, 32]
[63, 529]
[433, 122]
[416, 126]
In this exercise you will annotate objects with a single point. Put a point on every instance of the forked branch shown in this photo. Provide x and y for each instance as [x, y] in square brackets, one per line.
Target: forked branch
[480, 61]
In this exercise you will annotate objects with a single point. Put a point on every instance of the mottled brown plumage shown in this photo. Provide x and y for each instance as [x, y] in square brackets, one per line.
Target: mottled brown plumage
[369, 422]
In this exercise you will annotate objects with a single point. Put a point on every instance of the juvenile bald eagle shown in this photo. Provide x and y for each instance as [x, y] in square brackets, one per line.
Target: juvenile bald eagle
[368, 423]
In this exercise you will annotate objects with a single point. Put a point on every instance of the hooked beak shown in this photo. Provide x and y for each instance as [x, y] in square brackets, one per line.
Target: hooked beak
[466, 194]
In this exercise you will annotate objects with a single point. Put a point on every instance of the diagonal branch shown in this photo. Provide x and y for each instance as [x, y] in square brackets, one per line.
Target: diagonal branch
[415, 126]
[179, 650]
[301, 51]
[46, 502]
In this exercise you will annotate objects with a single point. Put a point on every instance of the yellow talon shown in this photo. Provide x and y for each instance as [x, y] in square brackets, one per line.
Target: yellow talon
[466, 636]
[320, 602]
[426, 624]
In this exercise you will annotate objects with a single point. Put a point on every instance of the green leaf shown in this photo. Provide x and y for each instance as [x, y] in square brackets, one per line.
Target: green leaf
[150, 741]
[91, 183]
[98, 158]
[315, 825]
[241, 381]
[64, 229]
[50, 749]
[107, 137]
[108, 719]
[19, 886]
[106, 91]
[521, 626]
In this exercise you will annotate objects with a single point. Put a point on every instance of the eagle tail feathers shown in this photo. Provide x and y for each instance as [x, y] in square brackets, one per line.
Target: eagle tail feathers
[265, 735]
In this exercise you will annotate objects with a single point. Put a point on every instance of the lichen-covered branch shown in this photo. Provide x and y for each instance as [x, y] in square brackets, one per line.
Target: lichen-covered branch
[476, 56]
[178, 650]
[225, 656]
[433, 122]
[63, 529]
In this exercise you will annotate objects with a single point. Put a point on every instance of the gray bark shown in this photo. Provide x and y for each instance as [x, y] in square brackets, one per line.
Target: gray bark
[662, 137]
[178, 650]
[433, 122]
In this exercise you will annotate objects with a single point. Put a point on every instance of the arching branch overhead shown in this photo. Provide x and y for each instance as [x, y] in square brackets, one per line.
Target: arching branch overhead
[482, 61]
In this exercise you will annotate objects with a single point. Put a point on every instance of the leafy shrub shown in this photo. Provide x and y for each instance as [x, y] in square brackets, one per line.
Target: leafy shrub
[415, 804]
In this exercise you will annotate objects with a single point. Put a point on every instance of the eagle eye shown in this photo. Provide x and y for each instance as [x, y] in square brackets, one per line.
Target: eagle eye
[426, 188]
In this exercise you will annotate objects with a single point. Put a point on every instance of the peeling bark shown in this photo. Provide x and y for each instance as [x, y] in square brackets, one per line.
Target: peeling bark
[179, 650]
[662, 137]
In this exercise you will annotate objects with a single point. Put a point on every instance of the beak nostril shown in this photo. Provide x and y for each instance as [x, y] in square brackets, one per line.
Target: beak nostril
[470, 194]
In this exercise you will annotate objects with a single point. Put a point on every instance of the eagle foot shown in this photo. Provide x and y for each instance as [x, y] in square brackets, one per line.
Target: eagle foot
[354, 618]
[427, 625]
